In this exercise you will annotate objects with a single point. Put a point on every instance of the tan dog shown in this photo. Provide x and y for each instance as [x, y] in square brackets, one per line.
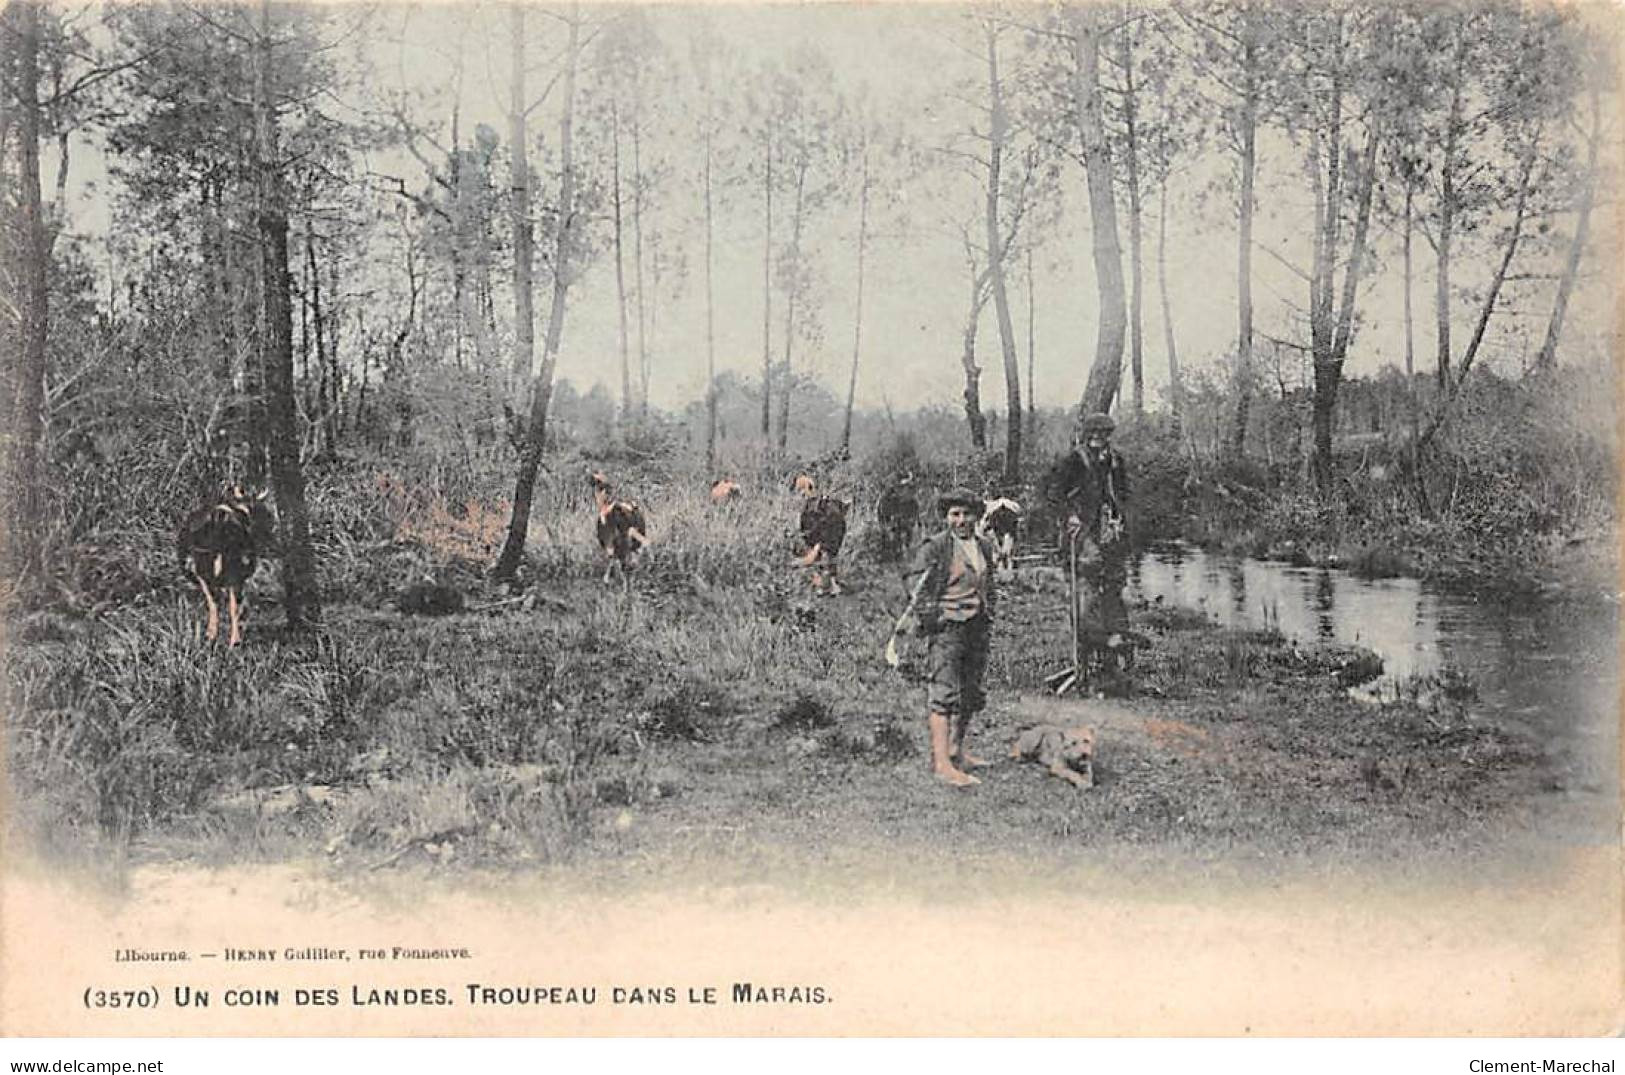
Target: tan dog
[1068, 753]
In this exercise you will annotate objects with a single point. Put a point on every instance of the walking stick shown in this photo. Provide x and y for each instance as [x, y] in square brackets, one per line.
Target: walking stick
[1067, 678]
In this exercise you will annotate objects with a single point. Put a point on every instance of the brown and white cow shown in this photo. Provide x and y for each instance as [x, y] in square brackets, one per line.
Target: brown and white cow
[219, 546]
[622, 529]
[724, 491]
[1001, 519]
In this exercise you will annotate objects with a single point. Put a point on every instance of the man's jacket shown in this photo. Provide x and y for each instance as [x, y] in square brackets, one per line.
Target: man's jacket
[1081, 485]
[933, 559]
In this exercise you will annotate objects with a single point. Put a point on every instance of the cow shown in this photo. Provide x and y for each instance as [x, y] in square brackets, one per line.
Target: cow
[823, 529]
[898, 513]
[622, 529]
[724, 491]
[1001, 518]
[219, 546]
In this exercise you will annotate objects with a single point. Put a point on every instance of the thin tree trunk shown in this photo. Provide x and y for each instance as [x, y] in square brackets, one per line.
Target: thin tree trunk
[1243, 385]
[27, 404]
[1032, 351]
[637, 264]
[710, 301]
[767, 300]
[1487, 307]
[301, 600]
[857, 318]
[317, 413]
[1546, 359]
[542, 393]
[654, 321]
[995, 264]
[973, 372]
[1176, 388]
[1106, 372]
[620, 268]
[791, 294]
[214, 259]
[524, 242]
[1413, 403]
[1447, 212]
[1131, 147]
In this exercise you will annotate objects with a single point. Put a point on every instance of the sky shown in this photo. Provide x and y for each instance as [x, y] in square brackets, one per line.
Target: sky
[900, 58]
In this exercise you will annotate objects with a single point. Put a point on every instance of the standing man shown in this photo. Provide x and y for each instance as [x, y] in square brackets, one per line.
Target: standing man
[953, 605]
[1088, 490]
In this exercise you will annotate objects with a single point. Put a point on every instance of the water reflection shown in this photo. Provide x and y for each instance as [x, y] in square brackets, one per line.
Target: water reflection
[1325, 603]
[1551, 667]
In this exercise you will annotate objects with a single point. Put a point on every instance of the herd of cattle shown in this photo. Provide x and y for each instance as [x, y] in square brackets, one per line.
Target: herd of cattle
[219, 543]
[622, 526]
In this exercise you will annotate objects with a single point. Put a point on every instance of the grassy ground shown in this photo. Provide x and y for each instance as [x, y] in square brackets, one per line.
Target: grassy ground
[710, 713]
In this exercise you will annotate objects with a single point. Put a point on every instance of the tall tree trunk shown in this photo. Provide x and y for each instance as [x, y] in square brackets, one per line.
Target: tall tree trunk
[1412, 402]
[995, 263]
[620, 267]
[1326, 144]
[710, 300]
[1492, 294]
[214, 261]
[857, 317]
[637, 263]
[767, 299]
[1410, 323]
[1242, 385]
[1447, 211]
[973, 373]
[524, 241]
[530, 461]
[318, 412]
[27, 402]
[792, 293]
[1329, 366]
[1546, 359]
[1106, 373]
[1176, 387]
[1032, 351]
[301, 600]
[1132, 149]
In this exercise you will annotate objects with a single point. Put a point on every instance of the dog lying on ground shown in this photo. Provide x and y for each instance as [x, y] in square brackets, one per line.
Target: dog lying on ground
[1068, 753]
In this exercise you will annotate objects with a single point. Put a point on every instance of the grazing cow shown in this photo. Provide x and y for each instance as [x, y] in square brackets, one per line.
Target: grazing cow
[622, 530]
[898, 513]
[724, 491]
[823, 529]
[219, 545]
[1001, 518]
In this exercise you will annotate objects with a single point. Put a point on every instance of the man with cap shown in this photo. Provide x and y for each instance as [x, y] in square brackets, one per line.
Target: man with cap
[953, 607]
[1088, 490]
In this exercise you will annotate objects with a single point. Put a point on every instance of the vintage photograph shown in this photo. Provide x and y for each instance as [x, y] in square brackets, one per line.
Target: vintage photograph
[810, 519]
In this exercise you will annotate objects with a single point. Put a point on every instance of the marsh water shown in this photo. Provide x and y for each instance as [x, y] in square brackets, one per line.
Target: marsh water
[1549, 667]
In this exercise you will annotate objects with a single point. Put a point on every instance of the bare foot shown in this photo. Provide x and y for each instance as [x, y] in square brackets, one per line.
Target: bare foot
[971, 761]
[956, 778]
